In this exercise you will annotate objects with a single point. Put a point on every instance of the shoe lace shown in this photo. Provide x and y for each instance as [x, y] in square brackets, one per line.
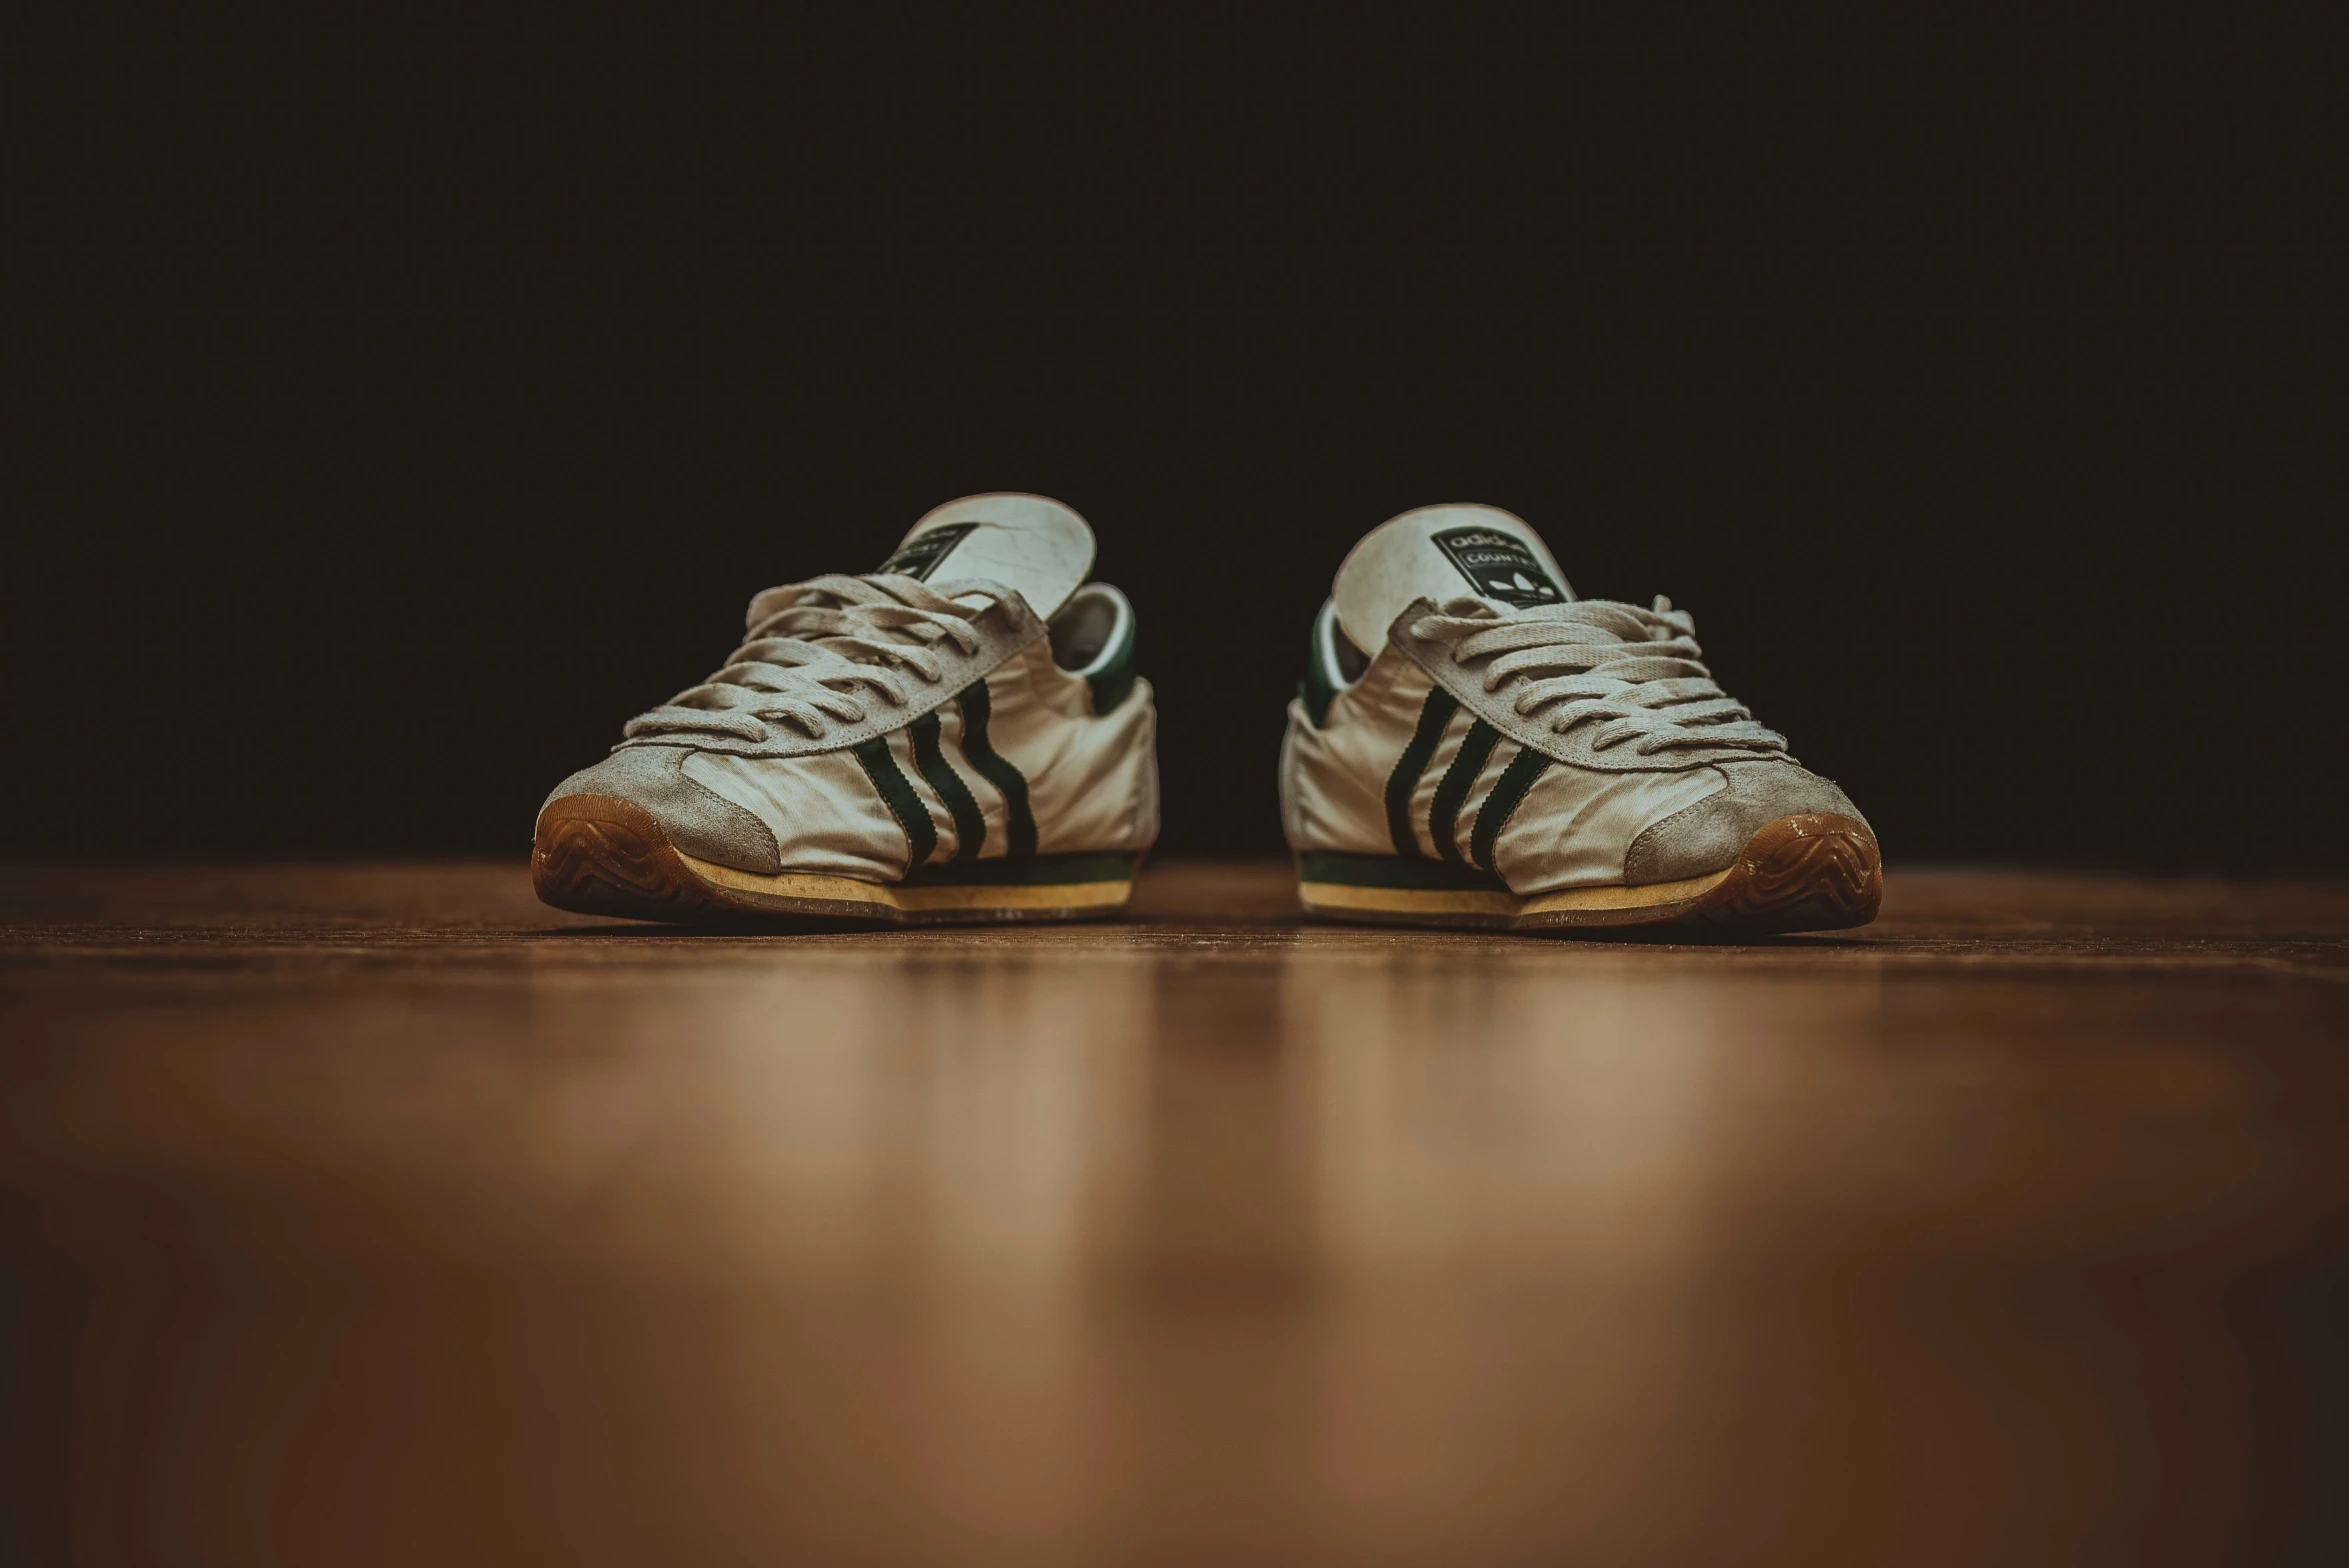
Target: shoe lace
[815, 653]
[1635, 674]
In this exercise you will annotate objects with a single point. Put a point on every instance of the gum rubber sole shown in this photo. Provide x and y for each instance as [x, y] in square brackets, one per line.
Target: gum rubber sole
[1815, 872]
[600, 855]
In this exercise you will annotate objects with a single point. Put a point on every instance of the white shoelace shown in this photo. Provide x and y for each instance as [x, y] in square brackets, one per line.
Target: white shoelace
[810, 648]
[1634, 673]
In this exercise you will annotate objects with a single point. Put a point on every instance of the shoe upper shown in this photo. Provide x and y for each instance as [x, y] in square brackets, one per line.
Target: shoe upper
[1462, 705]
[968, 700]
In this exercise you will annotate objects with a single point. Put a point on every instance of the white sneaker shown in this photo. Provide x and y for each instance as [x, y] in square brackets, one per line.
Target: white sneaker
[957, 736]
[1474, 746]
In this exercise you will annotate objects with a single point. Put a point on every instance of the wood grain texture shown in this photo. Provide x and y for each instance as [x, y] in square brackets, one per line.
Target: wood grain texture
[378, 1214]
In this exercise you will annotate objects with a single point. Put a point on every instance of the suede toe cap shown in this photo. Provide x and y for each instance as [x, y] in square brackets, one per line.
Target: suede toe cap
[697, 820]
[1706, 837]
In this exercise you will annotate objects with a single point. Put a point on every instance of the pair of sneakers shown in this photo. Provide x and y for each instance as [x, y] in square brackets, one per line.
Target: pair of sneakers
[961, 735]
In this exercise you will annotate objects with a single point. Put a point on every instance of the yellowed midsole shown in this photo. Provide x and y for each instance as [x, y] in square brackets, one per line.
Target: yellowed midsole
[848, 890]
[1440, 901]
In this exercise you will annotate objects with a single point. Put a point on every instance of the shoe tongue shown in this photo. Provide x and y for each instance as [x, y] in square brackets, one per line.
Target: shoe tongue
[1439, 553]
[1026, 542]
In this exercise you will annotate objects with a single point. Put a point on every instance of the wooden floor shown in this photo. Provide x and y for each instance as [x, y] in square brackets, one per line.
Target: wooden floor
[379, 1215]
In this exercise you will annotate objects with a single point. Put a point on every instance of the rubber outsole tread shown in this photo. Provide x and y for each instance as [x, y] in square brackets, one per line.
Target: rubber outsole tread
[601, 855]
[1805, 873]
[1811, 872]
[596, 855]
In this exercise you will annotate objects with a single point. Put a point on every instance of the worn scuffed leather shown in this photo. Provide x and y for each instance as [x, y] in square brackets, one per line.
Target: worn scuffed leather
[1705, 837]
[696, 819]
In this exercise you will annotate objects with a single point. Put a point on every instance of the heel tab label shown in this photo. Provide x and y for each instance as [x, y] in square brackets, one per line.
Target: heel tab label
[919, 556]
[1499, 566]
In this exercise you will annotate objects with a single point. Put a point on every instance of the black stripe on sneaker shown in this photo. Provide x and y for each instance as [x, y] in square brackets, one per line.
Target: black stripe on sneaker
[897, 793]
[996, 769]
[970, 829]
[1420, 876]
[1443, 816]
[1509, 791]
[1441, 705]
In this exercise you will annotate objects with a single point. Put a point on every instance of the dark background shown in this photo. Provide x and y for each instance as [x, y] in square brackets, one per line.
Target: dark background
[395, 408]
